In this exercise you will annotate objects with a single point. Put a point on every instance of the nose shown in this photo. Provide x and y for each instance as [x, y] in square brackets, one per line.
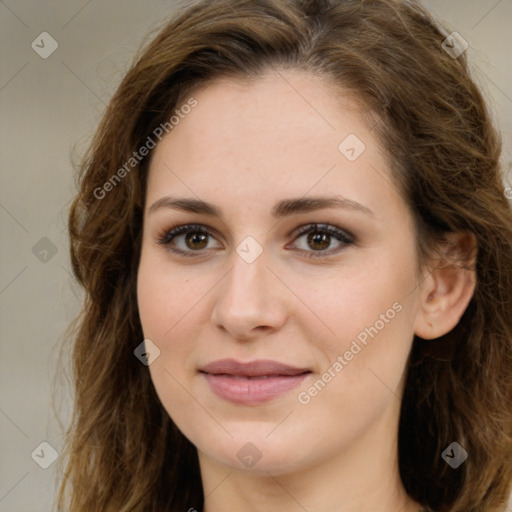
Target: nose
[250, 301]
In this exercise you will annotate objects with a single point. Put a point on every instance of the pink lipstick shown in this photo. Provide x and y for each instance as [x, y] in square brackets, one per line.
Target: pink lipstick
[252, 382]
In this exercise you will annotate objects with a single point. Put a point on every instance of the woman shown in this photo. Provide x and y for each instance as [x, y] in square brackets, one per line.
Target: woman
[294, 239]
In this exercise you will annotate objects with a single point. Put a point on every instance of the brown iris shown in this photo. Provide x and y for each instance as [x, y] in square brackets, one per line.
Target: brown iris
[319, 241]
[196, 240]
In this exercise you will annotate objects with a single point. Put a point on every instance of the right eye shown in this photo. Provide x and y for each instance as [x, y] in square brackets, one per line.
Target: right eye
[186, 239]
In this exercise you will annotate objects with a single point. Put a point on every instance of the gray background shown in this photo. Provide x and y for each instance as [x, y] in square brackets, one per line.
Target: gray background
[50, 108]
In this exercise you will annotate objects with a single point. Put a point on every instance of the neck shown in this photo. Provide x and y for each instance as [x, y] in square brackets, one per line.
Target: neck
[270, 493]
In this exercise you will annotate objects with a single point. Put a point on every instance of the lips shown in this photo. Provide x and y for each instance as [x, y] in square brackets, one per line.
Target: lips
[259, 368]
[252, 382]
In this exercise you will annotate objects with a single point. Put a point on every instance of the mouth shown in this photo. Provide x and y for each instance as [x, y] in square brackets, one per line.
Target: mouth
[252, 382]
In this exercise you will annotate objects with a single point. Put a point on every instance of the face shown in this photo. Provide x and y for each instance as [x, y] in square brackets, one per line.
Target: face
[277, 276]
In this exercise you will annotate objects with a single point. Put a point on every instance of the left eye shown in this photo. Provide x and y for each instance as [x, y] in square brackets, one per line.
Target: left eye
[319, 238]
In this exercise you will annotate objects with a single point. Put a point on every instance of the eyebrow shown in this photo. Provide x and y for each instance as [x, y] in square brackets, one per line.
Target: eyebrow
[281, 209]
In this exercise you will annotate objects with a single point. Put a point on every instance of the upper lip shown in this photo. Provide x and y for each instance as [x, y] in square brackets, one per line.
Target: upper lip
[257, 368]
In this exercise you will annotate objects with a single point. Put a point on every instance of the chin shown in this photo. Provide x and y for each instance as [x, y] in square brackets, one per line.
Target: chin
[252, 452]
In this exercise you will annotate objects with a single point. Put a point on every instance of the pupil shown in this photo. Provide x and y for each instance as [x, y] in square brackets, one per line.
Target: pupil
[319, 241]
[196, 240]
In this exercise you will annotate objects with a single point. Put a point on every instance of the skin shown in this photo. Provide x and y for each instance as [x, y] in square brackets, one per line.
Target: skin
[244, 147]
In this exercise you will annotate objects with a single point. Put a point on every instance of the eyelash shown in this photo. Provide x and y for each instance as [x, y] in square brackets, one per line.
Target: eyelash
[342, 236]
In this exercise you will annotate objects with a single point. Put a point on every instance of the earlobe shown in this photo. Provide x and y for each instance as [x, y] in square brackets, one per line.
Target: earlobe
[447, 290]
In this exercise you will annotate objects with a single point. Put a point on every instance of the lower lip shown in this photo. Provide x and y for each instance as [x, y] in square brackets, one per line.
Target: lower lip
[241, 390]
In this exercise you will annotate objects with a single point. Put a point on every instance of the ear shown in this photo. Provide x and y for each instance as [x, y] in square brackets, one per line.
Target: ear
[448, 288]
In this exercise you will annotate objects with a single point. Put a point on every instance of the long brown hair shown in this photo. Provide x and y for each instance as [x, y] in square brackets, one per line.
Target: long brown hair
[123, 451]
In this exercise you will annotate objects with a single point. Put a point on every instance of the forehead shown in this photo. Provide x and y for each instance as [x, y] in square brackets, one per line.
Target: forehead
[283, 133]
[287, 103]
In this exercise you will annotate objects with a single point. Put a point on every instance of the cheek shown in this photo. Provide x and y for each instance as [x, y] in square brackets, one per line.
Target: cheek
[370, 309]
[165, 298]
[172, 314]
[363, 363]
[363, 301]
[164, 301]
